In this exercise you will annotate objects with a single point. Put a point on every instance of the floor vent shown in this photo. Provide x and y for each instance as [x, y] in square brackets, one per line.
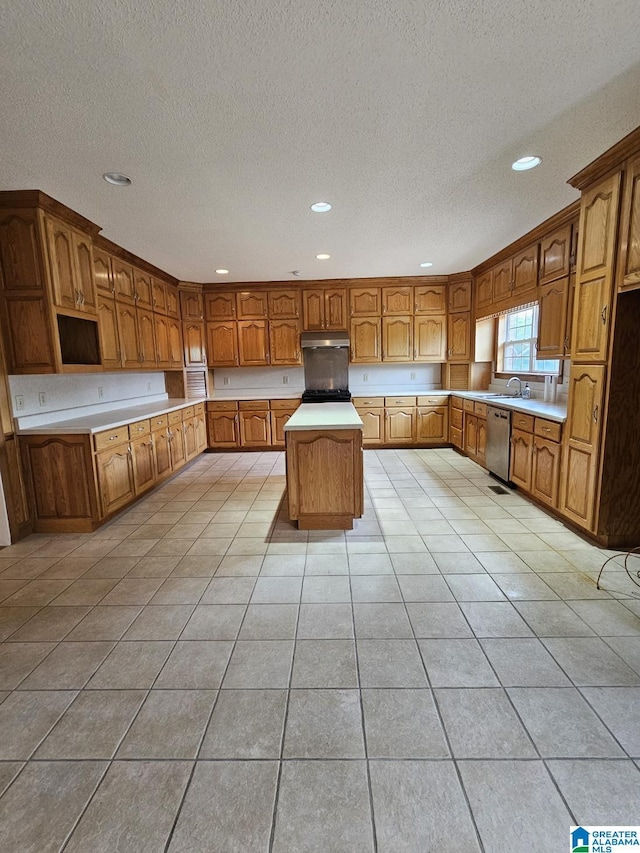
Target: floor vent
[498, 490]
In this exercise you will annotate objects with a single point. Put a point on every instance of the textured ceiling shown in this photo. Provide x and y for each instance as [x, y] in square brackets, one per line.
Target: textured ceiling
[233, 117]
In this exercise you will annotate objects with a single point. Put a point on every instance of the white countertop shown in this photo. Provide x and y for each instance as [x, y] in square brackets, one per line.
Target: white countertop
[90, 424]
[324, 416]
[552, 411]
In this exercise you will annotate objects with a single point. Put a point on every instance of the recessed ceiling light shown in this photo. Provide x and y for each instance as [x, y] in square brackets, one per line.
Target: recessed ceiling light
[320, 207]
[525, 163]
[117, 179]
[222, 272]
[323, 257]
[426, 264]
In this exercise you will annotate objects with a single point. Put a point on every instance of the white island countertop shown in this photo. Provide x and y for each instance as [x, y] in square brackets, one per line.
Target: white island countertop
[324, 416]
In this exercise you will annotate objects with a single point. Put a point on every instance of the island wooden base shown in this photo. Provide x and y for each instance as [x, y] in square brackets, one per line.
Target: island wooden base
[325, 478]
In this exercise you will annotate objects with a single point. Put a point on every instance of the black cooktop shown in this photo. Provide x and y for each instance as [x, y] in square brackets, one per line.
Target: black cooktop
[334, 395]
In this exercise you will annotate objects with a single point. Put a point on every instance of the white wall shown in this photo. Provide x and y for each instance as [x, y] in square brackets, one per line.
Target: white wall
[268, 381]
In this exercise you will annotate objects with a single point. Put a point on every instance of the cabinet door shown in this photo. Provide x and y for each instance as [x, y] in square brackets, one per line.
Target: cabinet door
[102, 271]
[220, 305]
[64, 276]
[200, 425]
[365, 301]
[484, 291]
[433, 425]
[191, 305]
[159, 296]
[143, 459]
[399, 426]
[173, 306]
[178, 451]
[430, 299]
[335, 308]
[546, 471]
[284, 305]
[115, 478]
[594, 289]
[279, 417]
[481, 441]
[252, 305]
[470, 435]
[252, 342]
[128, 333]
[14, 488]
[161, 324]
[176, 349]
[162, 448]
[123, 281]
[584, 408]
[502, 281]
[555, 254]
[521, 458]
[525, 273]
[110, 355]
[255, 429]
[194, 345]
[430, 338]
[284, 342]
[313, 310]
[397, 300]
[190, 439]
[143, 288]
[552, 318]
[365, 340]
[373, 420]
[460, 296]
[397, 339]
[20, 251]
[222, 344]
[222, 428]
[629, 276]
[83, 255]
[146, 335]
[459, 337]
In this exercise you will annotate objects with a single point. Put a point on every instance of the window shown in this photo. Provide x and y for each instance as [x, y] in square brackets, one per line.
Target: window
[517, 336]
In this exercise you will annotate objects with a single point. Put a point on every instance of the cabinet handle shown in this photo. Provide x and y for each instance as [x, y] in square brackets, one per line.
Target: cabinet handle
[112, 437]
[545, 429]
[82, 300]
[603, 315]
[595, 414]
[566, 343]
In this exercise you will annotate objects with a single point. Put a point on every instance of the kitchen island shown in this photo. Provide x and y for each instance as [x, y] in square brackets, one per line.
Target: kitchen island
[324, 466]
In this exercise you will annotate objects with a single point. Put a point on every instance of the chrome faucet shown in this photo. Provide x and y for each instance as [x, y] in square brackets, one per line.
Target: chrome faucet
[519, 381]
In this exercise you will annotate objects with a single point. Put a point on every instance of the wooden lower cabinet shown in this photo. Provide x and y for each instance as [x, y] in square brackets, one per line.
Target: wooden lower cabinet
[223, 429]
[255, 429]
[481, 441]
[545, 471]
[115, 478]
[143, 459]
[521, 458]
[200, 426]
[432, 425]
[470, 435]
[373, 430]
[190, 440]
[162, 444]
[279, 417]
[400, 426]
[178, 450]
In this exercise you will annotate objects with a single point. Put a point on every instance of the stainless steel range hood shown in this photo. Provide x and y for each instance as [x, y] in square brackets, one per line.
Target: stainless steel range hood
[324, 339]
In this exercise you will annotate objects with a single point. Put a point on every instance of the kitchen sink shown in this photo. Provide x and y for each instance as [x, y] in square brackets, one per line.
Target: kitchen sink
[502, 396]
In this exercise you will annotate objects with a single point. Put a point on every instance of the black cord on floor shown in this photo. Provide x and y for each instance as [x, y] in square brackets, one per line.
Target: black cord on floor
[634, 552]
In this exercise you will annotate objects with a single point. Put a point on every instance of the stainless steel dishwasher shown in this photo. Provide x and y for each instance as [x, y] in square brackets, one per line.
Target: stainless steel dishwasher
[498, 442]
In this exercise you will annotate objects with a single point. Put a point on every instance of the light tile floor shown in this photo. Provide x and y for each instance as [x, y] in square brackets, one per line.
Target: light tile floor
[200, 676]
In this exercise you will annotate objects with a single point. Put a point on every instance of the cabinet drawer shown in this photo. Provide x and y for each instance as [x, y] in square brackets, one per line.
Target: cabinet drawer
[468, 405]
[175, 418]
[456, 418]
[111, 437]
[368, 402]
[456, 436]
[432, 401]
[253, 405]
[399, 401]
[159, 422]
[198, 409]
[548, 429]
[139, 428]
[222, 406]
[284, 404]
[456, 402]
[480, 409]
[187, 413]
[523, 422]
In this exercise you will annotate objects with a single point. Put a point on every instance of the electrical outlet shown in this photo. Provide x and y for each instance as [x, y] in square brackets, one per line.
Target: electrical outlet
[413, 376]
[225, 380]
[42, 398]
[365, 377]
[148, 386]
[19, 402]
[285, 380]
[100, 392]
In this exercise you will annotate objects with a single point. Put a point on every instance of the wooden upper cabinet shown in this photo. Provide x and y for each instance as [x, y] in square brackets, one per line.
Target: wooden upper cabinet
[222, 344]
[284, 304]
[19, 251]
[365, 301]
[598, 229]
[194, 344]
[176, 349]
[484, 291]
[284, 342]
[108, 331]
[525, 272]
[64, 275]
[397, 338]
[430, 338]
[83, 251]
[460, 296]
[629, 275]
[459, 337]
[313, 310]
[252, 304]
[143, 284]
[220, 305]
[161, 325]
[102, 274]
[552, 319]
[159, 296]
[335, 308]
[173, 305]
[123, 281]
[365, 340]
[146, 338]
[555, 255]
[128, 335]
[253, 345]
[191, 305]
[502, 276]
[430, 299]
[397, 300]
